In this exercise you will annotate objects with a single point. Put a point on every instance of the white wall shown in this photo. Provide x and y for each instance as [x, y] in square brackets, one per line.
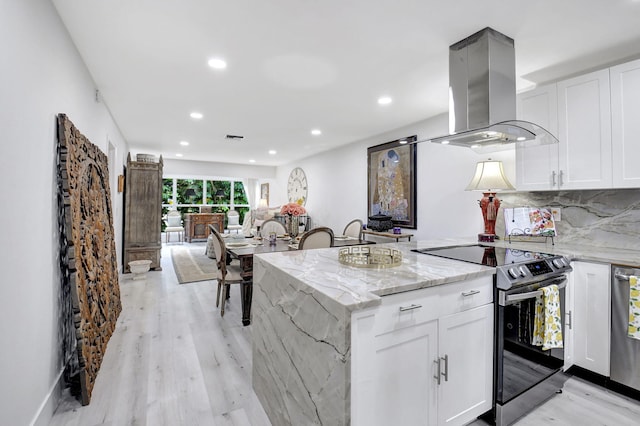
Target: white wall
[188, 169]
[41, 75]
[337, 182]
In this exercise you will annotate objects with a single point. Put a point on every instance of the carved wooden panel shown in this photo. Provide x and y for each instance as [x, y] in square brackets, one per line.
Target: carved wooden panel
[89, 250]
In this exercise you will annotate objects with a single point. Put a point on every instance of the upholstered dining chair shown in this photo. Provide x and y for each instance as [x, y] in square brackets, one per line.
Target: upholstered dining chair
[233, 221]
[227, 274]
[353, 229]
[320, 237]
[272, 225]
[174, 224]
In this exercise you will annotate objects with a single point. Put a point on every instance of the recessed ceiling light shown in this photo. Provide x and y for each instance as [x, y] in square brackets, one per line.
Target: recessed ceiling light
[316, 132]
[273, 152]
[384, 100]
[521, 138]
[178, 155]
[252, 161]
[217, 63]
[184, 143]
[445, 142]
[475, 146]
[402, 141]
[196, 115]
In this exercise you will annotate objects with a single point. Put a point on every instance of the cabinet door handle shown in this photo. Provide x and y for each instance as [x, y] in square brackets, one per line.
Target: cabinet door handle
[438, 371]
[553, 178]
[409, 308]
[560, 180]
[470, 293]
[446, 367]
[569, 320]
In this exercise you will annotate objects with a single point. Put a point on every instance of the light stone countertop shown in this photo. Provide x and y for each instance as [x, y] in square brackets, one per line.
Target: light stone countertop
[358, 288]
[583, 252]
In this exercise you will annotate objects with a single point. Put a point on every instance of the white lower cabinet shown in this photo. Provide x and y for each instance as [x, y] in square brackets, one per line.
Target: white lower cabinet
[399, 389]
[591, 316]
[467, 340]
[424, 357]
[568, 322]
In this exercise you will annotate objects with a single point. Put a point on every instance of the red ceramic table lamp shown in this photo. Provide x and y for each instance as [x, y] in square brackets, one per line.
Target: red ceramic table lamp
[489, 178]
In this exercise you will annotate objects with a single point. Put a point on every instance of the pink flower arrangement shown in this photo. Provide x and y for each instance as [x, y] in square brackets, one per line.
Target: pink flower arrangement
[293, 209]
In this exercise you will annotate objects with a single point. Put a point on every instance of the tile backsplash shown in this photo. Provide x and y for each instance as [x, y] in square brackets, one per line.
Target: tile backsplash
[606, 218]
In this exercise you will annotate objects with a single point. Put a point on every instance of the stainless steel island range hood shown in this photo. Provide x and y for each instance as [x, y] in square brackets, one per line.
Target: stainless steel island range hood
[482, 96]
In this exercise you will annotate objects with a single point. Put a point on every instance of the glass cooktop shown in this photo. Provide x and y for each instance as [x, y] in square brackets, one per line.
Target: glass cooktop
[484, 255]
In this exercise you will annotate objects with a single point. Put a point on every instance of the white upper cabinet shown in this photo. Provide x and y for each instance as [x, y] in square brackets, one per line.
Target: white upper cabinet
[537, 166]
[625, 110]
[584, 125]
[578, 112]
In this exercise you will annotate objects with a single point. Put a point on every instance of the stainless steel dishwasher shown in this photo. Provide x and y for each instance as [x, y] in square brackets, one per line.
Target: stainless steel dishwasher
[625, 351]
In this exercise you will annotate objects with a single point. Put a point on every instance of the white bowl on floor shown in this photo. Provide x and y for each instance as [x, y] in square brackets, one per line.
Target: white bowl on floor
[139, 268]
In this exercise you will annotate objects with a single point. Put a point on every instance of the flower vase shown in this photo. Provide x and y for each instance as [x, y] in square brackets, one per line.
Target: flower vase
[292, 225]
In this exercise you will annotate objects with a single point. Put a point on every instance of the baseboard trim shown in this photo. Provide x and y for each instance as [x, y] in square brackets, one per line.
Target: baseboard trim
[583, 373]
[48, 406]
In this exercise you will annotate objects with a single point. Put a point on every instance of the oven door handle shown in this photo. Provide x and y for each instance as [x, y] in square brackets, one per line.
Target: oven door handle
[509, 299]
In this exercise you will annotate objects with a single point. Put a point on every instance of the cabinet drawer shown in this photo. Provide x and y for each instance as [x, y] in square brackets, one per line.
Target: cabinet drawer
[406, 309]
[465, 295]
[414, 307]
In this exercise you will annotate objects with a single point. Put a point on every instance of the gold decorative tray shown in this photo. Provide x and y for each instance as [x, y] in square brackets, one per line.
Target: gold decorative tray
[370, 257]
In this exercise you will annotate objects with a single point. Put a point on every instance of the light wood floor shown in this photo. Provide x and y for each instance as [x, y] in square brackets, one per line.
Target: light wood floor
[174, 361]
[582, 403]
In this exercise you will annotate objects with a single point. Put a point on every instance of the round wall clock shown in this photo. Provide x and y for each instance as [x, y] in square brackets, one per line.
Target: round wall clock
[297, 186]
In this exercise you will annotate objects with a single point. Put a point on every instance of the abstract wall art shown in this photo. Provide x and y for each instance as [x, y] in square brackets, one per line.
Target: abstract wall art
[392, 181]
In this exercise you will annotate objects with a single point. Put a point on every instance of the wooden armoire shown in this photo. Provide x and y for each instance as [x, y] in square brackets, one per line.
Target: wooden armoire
[143, 212]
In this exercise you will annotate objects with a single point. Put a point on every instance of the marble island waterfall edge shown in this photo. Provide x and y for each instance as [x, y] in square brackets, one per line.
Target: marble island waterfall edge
[293, 333]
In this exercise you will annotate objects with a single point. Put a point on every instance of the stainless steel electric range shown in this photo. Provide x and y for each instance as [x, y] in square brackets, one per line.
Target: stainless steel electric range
[525, 375]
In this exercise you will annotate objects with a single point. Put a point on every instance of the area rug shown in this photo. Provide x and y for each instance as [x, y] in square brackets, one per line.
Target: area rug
[191, 264]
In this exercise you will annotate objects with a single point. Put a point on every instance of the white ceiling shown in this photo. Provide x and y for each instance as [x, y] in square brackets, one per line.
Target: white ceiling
[295, 65]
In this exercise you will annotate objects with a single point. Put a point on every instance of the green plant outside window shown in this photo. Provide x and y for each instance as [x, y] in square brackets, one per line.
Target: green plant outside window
[205, 193]
[189, 191]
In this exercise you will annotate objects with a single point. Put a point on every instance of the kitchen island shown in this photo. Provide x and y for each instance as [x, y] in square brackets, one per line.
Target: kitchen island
[303, 306]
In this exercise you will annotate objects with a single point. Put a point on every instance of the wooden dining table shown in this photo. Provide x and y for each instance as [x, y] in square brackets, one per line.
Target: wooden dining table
[244, 251]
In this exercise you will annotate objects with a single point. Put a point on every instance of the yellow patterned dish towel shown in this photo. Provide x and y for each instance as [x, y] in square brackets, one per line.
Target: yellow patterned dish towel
[634, 307]
[547, 328]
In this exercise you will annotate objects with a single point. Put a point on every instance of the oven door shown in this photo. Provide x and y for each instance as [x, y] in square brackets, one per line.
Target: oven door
[519, 364]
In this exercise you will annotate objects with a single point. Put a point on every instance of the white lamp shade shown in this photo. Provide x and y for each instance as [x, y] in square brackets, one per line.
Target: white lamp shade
[489, 177]
[262, 204]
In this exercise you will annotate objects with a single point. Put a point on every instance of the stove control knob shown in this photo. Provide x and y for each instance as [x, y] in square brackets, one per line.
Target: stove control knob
[557, 263]
[513, 273]
[523, 271]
